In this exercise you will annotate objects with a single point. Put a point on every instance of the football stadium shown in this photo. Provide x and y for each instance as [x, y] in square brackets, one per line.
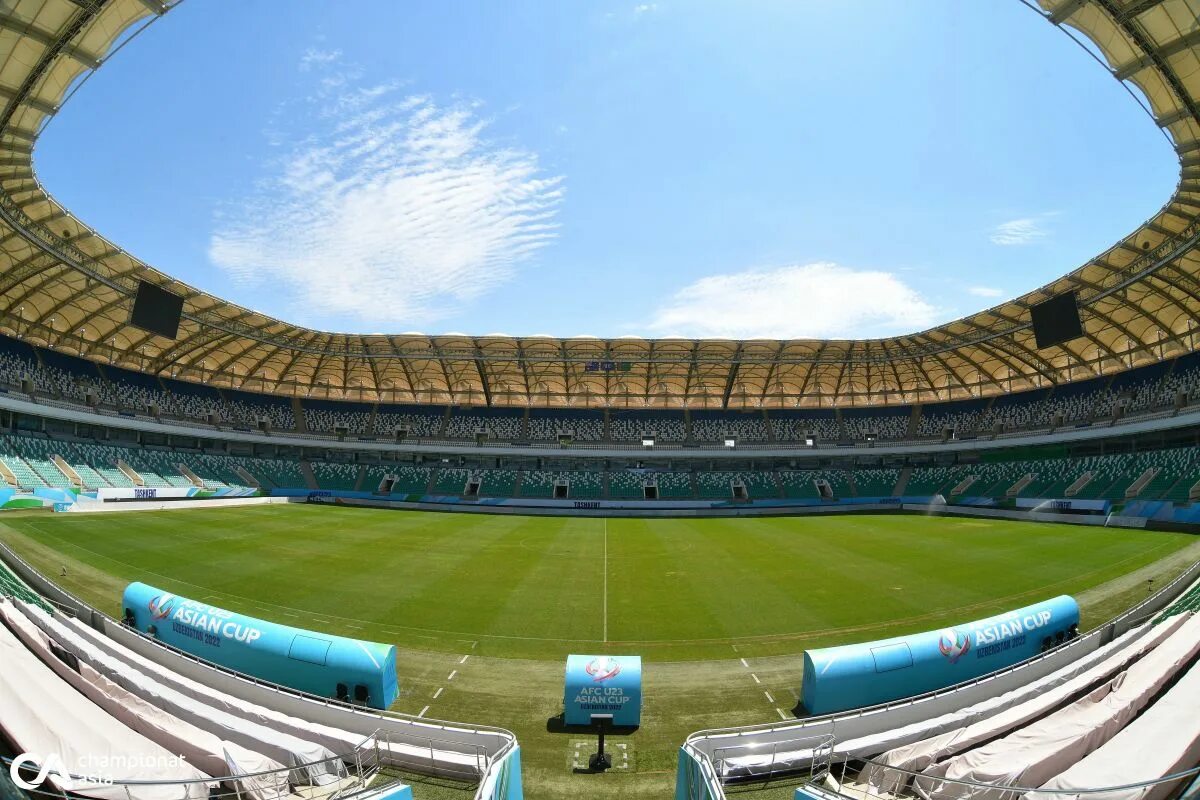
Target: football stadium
[247, 559]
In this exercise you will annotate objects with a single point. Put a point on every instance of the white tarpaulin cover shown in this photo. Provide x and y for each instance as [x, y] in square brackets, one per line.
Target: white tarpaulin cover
[875, 743]
[1165, 740]
[311, 762]
[335, 739]
[919, 755]
[202, 750]
[1037, 752]
[46, 718]
[400, 751]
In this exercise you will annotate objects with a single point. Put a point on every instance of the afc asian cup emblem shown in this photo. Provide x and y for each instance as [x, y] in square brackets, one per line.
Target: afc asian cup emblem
[954, 645]
[602, 668]
[160, 606]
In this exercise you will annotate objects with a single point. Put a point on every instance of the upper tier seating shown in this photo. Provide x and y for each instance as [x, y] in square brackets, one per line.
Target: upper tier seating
[797, 426]
[506, 425]
[858, 424]
[327, 416]
[545, 425]
[1150, 390]
[715, 426]
[420, 423]
[631, 426]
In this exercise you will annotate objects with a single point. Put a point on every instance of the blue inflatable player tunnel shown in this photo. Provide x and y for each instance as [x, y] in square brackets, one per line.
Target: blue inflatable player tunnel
[857, 675]
[317, 663]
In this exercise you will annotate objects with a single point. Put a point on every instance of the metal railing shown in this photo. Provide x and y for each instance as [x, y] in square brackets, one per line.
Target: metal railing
[882, 781]
[757, 762]
[351, 772]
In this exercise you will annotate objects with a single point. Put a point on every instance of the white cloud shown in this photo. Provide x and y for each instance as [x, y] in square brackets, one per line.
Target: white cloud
[395, 211]
[316, 57]
[985, 291]
[1019, 231]
[821, 300]
[645, 8]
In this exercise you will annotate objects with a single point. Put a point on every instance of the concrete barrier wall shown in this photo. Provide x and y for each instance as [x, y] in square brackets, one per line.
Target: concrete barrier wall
[101, 507]
[592, 508]
[1098, 520]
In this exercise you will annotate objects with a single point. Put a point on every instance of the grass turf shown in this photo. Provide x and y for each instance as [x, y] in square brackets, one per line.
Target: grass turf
[698, 598]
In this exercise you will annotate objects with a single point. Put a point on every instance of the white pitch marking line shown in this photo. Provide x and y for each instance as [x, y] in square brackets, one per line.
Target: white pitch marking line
[744, 664]
[463, 660]
[606, 579]
[452, 674]
[756, 680]
[423, 710]
[770, 699]
[781, 714]
[438, 693]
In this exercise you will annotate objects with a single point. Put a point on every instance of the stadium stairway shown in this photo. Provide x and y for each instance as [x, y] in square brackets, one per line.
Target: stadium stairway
[298, 412]
[914, 422]
[902, 482]
[307, 471]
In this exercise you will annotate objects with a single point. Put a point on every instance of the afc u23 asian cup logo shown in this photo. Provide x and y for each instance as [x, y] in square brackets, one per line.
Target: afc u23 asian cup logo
[602, 668]
[160, 606]
[954, 645]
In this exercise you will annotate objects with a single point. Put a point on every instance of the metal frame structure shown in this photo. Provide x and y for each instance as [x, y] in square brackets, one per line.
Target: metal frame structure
[64, 286]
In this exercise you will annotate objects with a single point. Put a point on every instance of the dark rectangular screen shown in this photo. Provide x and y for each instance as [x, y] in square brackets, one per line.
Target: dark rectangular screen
[156, 310]
[1056, 320]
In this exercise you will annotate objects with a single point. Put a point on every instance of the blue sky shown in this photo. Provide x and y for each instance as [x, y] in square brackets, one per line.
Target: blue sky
[760, 168]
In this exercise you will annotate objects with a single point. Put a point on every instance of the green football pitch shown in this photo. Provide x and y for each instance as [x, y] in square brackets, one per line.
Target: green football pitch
[484, 608]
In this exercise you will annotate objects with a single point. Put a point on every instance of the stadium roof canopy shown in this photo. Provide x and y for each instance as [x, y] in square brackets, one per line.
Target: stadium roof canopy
[64, 286]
